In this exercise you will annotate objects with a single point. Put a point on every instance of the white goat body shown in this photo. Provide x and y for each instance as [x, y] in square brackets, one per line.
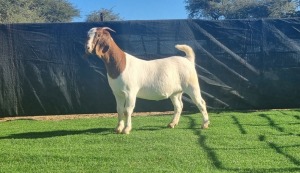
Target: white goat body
[130, 77]
[155, 79]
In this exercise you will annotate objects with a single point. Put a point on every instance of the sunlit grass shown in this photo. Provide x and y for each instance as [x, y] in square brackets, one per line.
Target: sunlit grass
[263, 141]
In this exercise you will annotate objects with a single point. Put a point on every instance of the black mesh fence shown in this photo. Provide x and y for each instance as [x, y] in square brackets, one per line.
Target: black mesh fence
[242, 64]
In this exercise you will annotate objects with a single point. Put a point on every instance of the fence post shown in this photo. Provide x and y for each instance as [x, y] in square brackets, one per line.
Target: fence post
[101, 17]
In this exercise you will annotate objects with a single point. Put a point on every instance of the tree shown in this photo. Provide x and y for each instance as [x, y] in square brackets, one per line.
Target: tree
[241, 9]
[55, 10]
[17, 12]
[32, 11]
[108, 15]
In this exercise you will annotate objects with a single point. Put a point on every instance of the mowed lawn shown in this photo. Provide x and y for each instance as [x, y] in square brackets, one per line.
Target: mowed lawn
[258, 141]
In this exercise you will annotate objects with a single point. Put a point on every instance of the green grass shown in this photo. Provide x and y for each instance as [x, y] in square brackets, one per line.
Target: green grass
[263, 141]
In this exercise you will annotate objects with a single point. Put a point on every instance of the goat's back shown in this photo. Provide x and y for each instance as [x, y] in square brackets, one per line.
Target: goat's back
[159, 68]
[158, 79]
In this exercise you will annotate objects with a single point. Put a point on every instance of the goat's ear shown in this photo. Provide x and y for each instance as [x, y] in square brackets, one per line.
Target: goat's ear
[105, 49]
[103, 44]
[101, 48]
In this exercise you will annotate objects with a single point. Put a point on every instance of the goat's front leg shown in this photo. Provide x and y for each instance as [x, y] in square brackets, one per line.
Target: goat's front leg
[120, 109]
[129, 107]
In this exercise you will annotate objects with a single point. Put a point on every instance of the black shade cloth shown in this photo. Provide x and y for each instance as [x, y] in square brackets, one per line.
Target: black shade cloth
[242, 64]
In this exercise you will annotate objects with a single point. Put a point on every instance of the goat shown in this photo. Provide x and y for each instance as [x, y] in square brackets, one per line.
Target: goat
[130, 77]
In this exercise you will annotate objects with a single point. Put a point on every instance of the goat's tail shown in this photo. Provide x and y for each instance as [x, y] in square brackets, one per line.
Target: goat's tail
[190, 54]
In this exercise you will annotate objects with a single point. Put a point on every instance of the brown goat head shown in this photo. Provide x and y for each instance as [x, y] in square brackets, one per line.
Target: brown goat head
[98, 41]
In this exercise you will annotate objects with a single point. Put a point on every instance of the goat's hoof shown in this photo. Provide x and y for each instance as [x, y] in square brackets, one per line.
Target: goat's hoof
[172, 125]
[126, 130]
[205, 125]
[119, 129]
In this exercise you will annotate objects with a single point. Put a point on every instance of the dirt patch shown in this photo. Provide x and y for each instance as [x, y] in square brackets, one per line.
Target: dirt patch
[78, 116]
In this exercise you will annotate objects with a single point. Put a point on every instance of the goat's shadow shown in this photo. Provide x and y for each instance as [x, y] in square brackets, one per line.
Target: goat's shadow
[151, 128]
[58, 133]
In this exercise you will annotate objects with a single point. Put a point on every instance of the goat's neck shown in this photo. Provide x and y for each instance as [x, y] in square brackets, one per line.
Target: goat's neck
[114, 60]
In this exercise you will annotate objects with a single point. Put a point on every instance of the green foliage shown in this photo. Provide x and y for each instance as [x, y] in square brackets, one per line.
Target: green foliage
[262, 141]
[108, 15]
[242, 9]
[33, 11]
[18, 12]
[56, 10]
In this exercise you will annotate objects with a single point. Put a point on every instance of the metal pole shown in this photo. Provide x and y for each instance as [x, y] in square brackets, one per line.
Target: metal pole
[101, 17]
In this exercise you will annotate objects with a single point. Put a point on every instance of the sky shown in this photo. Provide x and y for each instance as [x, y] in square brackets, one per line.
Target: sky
[133, 9]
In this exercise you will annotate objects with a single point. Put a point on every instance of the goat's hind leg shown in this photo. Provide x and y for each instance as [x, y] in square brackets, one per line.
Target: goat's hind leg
[195, 95]
[204, 113]
[178, 105]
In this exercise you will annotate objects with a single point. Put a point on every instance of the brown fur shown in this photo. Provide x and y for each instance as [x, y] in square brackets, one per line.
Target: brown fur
[107, 50]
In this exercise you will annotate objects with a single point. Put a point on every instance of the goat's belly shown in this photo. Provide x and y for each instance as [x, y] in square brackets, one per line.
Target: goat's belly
[152, 95]
[157, 93]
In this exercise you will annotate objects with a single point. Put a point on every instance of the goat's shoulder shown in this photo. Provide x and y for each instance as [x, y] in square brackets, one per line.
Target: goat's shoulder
[133, 60]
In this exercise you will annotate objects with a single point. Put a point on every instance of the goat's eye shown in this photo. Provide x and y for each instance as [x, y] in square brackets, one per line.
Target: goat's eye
[98, 35]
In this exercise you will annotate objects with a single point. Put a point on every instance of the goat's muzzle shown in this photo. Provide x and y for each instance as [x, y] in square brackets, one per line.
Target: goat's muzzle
[88, 49]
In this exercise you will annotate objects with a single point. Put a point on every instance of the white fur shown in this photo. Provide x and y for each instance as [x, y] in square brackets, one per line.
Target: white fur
[91, 35]
[157, 80]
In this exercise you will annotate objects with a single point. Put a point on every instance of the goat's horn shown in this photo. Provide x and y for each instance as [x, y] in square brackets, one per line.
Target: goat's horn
[107, 28]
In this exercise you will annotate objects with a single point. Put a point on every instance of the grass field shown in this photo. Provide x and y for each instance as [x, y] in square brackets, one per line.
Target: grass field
[259, 141]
